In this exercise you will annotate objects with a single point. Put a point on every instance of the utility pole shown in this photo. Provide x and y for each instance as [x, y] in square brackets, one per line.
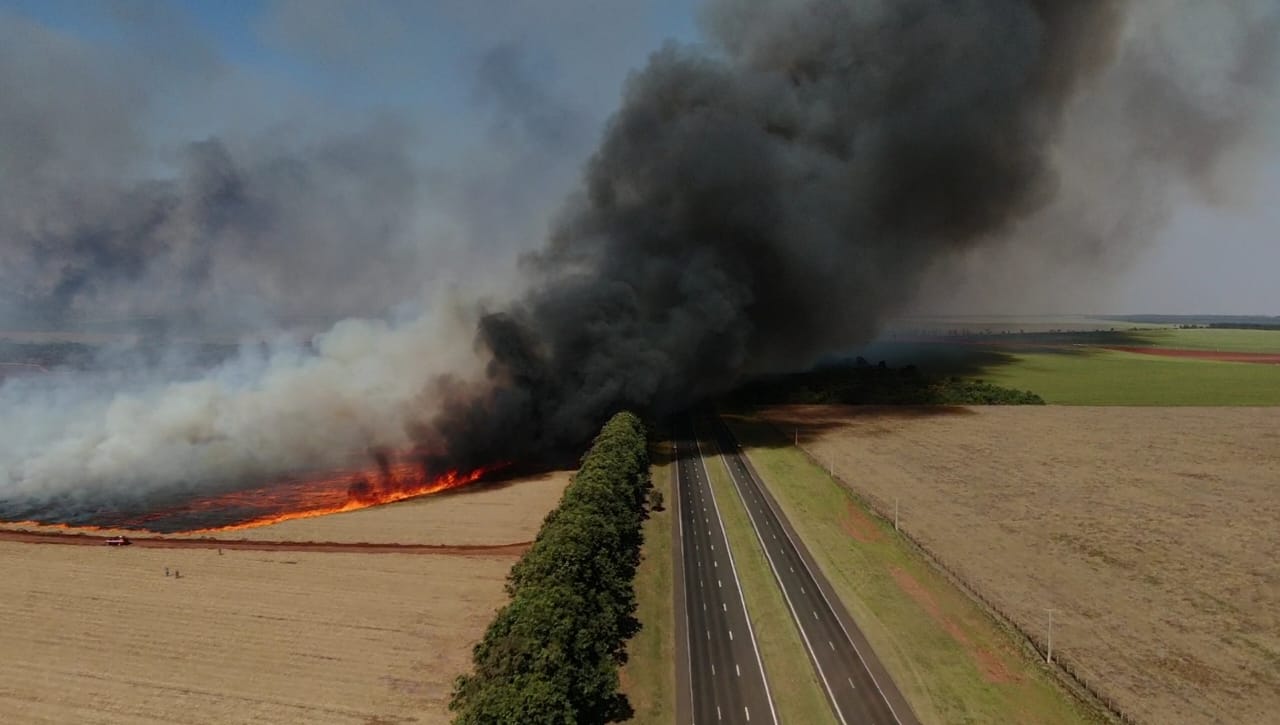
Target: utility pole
[1048, 656]
[797, 437]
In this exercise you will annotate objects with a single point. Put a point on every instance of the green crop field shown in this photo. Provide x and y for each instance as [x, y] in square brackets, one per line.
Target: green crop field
[1104, 377]
[1211, 339]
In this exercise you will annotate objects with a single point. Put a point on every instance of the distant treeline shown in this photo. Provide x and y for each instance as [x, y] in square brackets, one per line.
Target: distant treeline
[1243, 326]
[552, 654]
[1226, 321]
[861, 383]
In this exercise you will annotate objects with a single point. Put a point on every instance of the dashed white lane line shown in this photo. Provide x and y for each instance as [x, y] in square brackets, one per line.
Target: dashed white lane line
[832, 646]
[731, 634]
[720, 584]
[737, 669]
[724, 607]
[850, 680]
[815, 615]
[713, 670]
[718, 717]
[748, 711]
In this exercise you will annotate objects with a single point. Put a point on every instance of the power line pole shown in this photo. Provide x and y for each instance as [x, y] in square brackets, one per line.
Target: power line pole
[1048, 656]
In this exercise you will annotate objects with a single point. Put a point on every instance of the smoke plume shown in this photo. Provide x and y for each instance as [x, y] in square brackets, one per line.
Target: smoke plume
[756, 202]
[756, 207]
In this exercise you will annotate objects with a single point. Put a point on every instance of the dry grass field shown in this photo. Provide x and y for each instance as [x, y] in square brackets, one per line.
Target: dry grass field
[1150, 531]
[101, 635]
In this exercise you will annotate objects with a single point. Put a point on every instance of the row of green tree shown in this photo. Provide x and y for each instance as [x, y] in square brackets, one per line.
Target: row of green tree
[864, 384]
[553, 653]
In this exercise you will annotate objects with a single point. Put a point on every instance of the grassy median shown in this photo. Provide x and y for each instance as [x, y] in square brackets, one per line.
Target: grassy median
[793, 683]
[649, 677]
[952, 661]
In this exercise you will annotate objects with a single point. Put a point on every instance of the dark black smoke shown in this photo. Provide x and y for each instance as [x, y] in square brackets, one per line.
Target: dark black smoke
[775, 197]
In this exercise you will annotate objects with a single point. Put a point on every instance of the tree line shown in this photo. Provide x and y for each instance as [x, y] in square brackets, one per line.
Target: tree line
[865, 384]
[553, 653]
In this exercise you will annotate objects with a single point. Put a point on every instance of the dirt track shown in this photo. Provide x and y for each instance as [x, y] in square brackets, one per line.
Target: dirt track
[158, 542]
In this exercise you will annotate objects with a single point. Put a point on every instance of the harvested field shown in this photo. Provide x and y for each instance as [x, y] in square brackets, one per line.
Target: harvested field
[298, 633]
[1149, 531]
[101, 635]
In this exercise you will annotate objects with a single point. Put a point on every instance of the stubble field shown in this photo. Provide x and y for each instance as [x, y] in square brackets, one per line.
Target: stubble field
[1149, 531]
[102, 635]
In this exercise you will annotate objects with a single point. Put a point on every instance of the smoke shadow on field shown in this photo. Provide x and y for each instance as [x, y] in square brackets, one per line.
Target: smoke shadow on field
[804, 424]
[975, 355]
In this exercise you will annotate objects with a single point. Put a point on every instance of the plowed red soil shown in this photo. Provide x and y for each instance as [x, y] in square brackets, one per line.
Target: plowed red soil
[1266, 358]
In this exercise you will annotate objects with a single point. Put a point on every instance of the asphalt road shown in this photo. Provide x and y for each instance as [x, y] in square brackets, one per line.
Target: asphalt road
[726, 677]
[857, 686]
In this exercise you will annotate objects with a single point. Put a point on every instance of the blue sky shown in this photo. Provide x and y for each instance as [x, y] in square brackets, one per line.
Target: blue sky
[379, 61]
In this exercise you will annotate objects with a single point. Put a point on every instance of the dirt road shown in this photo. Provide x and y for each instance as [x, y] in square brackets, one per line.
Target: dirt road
[159, 542]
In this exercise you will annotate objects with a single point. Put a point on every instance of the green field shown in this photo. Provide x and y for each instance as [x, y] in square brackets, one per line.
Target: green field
[793, 682]
[1105, 377]
[649, 677]
[953, 662]
[1211, 339]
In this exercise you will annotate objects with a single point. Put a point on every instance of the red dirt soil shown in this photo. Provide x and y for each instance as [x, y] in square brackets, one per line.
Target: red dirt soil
[1265, 358]
[856, 524]
[991, 665]
[158, 542]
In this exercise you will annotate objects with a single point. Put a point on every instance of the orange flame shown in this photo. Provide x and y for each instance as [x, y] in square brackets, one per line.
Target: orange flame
[335, 494]
[297, 498]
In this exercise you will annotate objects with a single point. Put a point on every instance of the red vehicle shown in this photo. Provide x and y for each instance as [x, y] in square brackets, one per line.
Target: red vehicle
[118, 541]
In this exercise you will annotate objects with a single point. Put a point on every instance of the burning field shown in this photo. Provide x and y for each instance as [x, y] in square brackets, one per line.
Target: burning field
[302, 497]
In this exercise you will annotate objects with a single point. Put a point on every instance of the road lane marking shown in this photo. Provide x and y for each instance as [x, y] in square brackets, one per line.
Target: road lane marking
[737, 669]
[850, 679]
[748, 711]
[764, 679]
[731, 635]
[839, 621]
[832, 646]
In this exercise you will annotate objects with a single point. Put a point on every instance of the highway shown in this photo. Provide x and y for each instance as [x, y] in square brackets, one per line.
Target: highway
[857, 686]
[726, 678]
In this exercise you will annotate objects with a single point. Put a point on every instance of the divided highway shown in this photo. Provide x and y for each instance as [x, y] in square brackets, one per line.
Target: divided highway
[837, 649]
[725, 676]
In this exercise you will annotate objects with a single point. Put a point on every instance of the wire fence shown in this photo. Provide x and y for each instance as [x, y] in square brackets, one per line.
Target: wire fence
[1068, 671]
